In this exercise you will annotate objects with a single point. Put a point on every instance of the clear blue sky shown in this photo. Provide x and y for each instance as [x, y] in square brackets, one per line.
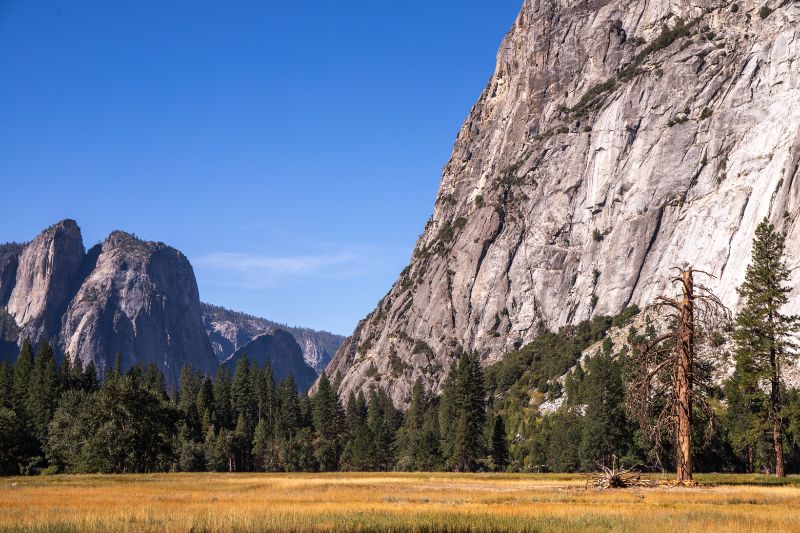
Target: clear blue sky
[292, 150]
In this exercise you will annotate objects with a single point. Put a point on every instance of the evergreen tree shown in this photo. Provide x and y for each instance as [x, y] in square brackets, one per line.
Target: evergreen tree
[43, 391]
[6, 385]
[380, 413]
[74, 422]
[410, 435]
[262, 453]
[356, 455]
[429, 452]
[76, 373]
[242, 393]
[22, 370]
[468, 448]
[605, 428]
[327, 418]
[89, 381]
[10, 441]
[499, 445]
[223, 406]
[241, 446]
[204, 404]
[564, 438]
[764, 335]
[290, 414]
[746, 416]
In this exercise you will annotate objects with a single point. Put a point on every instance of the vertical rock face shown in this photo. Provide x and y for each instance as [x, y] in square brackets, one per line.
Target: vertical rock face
[46, 275]
[139, 300]
[284, 355]
[231, 330]
[615, 140]
[9, 261]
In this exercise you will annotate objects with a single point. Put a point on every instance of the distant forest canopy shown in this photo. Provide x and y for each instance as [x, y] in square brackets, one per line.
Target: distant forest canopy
[543, 408]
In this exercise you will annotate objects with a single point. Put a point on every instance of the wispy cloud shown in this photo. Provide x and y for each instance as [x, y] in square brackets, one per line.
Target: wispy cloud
[255, 271]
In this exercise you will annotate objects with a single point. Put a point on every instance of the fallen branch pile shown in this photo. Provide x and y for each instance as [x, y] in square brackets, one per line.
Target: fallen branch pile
[617, 478]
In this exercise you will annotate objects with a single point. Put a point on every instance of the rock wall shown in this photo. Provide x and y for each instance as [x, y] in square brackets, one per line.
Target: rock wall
[615, 140]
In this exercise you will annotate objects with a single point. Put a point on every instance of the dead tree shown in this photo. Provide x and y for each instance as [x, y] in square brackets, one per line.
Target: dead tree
[662, 391]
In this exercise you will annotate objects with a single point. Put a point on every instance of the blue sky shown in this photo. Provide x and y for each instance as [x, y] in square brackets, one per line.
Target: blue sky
[292, 150]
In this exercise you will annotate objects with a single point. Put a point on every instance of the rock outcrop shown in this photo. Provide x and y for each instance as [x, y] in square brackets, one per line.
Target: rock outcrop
[230, 330]
[616, 139]
[46, 278]
[9, 261]
[284, 355]
[140, 300]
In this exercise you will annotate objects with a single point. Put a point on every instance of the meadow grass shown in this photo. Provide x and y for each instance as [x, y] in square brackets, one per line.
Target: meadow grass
[389, 502]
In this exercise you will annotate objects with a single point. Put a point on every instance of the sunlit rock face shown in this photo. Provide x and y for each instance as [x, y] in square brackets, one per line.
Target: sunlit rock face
[46, 274]
[140, 300]
[615, 140]
[125, 296]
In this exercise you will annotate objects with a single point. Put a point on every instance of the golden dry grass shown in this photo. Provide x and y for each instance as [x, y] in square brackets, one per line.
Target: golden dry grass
[384, 502]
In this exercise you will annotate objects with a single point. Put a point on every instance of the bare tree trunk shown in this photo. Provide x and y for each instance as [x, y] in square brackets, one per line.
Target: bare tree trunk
[684, 380]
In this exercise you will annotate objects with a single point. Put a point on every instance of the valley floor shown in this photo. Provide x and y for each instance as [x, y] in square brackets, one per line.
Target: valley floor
[389, 502]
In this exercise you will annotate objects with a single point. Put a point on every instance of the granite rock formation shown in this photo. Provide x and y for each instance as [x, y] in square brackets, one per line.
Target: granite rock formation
[616, 139]
[230, 330]
[283, 353]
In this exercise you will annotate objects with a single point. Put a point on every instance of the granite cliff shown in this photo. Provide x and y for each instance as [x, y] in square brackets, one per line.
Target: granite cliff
[616, 139]
[138, 299]
[230, 330]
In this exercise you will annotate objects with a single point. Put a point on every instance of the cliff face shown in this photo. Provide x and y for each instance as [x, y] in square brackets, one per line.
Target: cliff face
[9, 261]
[46, 276]
[282, 352]
[230, 330]
[615, 140]
[140, 300]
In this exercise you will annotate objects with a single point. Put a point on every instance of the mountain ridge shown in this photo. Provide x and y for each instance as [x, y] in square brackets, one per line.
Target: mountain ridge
[123, 296]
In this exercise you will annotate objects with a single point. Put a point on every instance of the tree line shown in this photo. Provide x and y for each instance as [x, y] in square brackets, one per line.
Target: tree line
[62, 418]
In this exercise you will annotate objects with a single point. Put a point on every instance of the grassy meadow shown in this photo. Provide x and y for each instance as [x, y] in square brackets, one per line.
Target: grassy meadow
[389, 502]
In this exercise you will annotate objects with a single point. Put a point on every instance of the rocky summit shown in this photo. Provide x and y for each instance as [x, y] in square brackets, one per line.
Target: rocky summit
[230, 330]
[281, 351]
[134, 298]
[615, 140]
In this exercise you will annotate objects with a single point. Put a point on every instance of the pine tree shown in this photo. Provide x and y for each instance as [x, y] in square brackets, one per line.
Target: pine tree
[429, 452]
[89, 381]
[205, 404]
[764, 335]
[379, 421]
[290, 416]
[22, 369]
[76, 373]
[605, 429]
[10, 441]
[223, 407]
[242, 394]
[6, 385]
[327, 418]
[468, 443]
[43, 390]
[499, 445]
[746, 416]
[261, 447]
[410, 435]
